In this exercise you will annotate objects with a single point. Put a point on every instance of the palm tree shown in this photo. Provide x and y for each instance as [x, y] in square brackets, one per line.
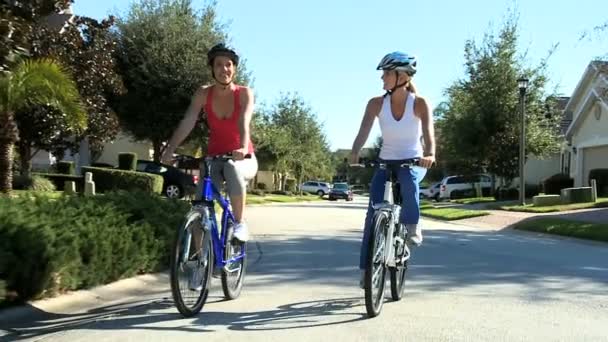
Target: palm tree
[32, 82]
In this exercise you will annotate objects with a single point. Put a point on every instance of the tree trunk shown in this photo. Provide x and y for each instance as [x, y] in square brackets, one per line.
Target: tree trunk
[284, 181]
[157, 146]
[8, 137]
[6, 166]
[25, 155]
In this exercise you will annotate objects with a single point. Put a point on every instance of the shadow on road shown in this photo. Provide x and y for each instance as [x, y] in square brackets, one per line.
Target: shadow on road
[154, 316]
[506, 263]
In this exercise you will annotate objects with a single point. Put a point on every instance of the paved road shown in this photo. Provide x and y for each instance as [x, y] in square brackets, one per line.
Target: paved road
[466, 284]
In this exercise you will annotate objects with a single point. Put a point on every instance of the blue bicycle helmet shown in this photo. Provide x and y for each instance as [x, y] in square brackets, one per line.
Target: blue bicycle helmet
[398, 61]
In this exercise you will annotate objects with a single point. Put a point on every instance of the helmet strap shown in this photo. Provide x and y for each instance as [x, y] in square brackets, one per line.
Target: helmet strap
[388, 92]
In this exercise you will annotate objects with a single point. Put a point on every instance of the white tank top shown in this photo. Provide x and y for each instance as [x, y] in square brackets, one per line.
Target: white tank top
[400, 139]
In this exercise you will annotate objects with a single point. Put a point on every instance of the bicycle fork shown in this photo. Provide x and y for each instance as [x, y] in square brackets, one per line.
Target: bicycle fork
[205, 229]
[392, 241]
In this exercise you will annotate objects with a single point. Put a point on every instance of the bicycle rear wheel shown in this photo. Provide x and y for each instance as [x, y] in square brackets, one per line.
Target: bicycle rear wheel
[375, 271]
[233, 273]
[191, 265]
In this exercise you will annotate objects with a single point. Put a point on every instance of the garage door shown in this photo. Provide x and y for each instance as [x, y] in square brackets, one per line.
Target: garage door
[594, 158]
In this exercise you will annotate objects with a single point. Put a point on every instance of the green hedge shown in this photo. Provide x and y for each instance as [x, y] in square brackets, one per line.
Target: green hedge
[507, 194]
[66, 168]
[601, 178]
[59, 180]
[554, 184]
[127, 161]
[74, 242]
[112, 179]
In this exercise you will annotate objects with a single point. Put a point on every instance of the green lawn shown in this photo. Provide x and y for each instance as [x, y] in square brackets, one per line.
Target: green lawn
[583, 230]
[451, 214]
[529, 208]
[254, 199]
[474, 200]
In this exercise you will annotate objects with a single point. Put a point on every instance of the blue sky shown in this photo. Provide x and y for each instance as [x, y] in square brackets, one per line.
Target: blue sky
[327, 51]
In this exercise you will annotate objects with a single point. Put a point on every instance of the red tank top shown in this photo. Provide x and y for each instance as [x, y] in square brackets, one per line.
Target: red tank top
[225, 135]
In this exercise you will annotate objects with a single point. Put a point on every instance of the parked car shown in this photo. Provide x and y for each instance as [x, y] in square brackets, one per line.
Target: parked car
[176, 183]
[315, 187]
[459, 186]
[340, 190]
[430, 192]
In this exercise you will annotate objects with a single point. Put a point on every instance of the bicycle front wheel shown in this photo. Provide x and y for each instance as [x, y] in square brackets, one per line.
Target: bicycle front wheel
[375, 271]
[191, 265]
[234, 273]
[399, 272]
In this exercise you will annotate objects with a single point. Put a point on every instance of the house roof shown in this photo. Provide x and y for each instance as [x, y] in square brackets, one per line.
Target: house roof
[595, 70]
[561, 102]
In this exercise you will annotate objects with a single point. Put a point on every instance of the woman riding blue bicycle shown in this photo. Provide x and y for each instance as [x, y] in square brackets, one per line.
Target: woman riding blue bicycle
[405, 120]
[200, 251]
[229, 109]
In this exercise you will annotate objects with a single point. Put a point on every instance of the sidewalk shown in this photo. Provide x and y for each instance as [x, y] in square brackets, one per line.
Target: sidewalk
[81, 307]
[501, 219]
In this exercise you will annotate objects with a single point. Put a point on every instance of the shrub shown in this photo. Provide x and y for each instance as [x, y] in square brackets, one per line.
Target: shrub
[281, 192]
[59, 180]
[77, 242]
[509, 194]
[257, 192]
[554, 184]
[601, 178]
[66, 168]
[35, 183]
[127, 161]
[261, 186]
[290, 185]
[112, 179]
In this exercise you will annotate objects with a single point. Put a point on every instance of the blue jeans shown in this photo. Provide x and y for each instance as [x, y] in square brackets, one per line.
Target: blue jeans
[409, 180]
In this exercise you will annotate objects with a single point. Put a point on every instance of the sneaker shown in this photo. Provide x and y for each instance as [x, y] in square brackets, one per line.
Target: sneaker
[241, 232]
[196, 279]
[414, 234]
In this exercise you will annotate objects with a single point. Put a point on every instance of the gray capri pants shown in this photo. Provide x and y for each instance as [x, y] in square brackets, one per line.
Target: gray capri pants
[236, 174]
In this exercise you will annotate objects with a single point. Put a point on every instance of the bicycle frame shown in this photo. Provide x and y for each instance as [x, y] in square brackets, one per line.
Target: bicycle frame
[210, 195]
[393, 210]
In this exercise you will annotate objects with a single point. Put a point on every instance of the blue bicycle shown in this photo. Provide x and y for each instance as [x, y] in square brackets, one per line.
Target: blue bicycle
[200, 252]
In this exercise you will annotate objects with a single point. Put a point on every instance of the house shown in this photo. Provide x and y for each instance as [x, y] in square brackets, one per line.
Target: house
[586, 138]
[538, 169]
[123, 142]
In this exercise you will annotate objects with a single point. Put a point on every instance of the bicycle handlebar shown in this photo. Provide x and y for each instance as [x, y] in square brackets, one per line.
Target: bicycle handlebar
[407, 163]
[227, 156]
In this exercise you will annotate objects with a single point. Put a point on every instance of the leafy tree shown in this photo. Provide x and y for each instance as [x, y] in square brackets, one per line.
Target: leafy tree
[480, 122]
[291, 140]
[17, 21]
[162, 56]
[33, 82]
[85, 47]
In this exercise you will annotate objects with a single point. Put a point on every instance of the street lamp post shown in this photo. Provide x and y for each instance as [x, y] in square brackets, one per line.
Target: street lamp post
[523, 87]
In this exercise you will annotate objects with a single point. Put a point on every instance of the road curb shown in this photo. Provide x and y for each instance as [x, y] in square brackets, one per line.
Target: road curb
[13, 321]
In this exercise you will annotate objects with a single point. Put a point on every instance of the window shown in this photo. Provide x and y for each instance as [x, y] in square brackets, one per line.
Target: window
[141, 167]
[341, 186]
[156, 168]
[456, 180]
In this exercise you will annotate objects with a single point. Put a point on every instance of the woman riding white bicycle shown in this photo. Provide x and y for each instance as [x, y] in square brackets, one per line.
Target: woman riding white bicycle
[405, 119]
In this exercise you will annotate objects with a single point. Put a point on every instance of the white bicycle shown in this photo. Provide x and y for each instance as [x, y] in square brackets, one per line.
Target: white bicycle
[388, 248]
